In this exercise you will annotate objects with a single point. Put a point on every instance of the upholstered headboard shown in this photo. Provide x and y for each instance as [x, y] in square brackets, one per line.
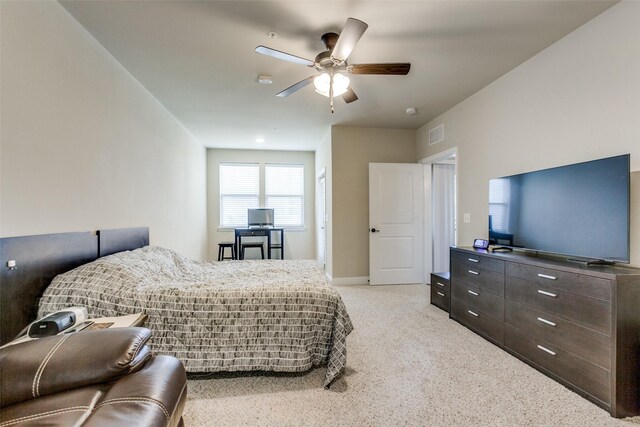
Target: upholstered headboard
[38, 259]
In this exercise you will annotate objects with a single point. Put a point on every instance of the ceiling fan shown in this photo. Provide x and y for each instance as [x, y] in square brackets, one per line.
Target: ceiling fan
[332, 64]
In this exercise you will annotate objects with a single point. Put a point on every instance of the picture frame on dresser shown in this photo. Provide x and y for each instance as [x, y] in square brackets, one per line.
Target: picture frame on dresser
[577, 324]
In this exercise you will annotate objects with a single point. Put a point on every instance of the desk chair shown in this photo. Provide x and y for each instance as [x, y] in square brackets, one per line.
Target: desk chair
[252, 245]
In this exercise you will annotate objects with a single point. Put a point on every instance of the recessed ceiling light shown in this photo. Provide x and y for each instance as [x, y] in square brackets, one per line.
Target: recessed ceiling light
[272, 34]
[259, 140]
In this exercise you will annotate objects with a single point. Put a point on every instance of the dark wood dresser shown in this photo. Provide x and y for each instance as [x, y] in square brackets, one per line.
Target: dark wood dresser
[578, 324]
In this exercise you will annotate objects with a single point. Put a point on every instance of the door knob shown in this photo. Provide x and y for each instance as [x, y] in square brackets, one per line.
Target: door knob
[373, 230]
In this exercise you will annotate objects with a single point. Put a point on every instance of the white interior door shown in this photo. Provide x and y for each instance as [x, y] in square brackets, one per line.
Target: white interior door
[395, 223]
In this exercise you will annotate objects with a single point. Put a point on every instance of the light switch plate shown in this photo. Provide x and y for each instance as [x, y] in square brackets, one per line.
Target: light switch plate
[467, 218]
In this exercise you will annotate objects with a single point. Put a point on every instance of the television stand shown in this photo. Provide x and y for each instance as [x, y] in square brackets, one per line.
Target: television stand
[600, 262]
[592, 261]
[502, 249]
[580, 326]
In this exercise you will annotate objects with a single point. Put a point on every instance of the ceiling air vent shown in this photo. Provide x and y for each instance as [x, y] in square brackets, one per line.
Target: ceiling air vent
[436, 134]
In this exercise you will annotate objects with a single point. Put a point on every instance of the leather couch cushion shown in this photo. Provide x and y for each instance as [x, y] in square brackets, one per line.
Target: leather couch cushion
[64, 362]
[152, 396]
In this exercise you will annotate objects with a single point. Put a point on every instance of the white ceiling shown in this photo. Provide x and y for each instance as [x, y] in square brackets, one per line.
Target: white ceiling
[198, 59]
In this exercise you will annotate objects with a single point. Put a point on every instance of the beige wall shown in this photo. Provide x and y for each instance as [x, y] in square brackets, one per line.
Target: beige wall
[83, 145]
[352, 149]
[299, 244]
[575, 101]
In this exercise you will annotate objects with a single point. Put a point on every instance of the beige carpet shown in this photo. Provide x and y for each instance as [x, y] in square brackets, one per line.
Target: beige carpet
[408, 364]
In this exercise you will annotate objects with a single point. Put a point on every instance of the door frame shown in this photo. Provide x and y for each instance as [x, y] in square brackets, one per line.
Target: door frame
[428, 213]
[321, 221]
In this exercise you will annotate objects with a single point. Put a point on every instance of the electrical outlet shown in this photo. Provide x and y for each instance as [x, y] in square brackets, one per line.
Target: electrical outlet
[467, 218]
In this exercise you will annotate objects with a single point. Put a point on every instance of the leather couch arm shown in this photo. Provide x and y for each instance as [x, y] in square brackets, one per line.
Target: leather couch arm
[153, 396]
[62, 362]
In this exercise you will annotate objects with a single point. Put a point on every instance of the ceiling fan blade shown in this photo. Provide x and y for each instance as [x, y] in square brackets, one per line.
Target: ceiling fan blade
[291, 89]
[349, 96]
[351, 33]
[283, 55]
[396, 69]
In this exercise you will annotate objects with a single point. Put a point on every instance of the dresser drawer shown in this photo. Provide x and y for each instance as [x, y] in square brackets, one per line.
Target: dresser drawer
[576, 283]
[479, 300]
[589, 312]
[477, 261]
[477, 321]
[586, 376]
[585, 343]
[440, 298]
[439, 283]
[485, 280]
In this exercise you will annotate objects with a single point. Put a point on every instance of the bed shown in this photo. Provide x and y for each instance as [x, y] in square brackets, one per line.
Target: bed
[266, 315]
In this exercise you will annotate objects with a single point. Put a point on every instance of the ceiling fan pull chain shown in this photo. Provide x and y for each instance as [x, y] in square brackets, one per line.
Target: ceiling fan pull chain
[331, 90]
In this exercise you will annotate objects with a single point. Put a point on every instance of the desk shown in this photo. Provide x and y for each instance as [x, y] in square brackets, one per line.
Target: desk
[260, 232]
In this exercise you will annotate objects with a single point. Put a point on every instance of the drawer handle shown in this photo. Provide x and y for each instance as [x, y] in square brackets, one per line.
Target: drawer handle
[546, 276]
[548, 322]
[472, 313]
[440, 293]
[553, 353]
[440, 284]
[473, 272]
[473, 260]
[472, 293]
[549, 294]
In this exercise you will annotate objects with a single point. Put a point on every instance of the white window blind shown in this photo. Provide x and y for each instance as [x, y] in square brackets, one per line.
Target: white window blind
[284, 192]
[499, 204]
[239, 191]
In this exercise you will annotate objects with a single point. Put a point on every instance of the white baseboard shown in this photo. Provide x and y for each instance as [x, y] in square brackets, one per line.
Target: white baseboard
[364, 280]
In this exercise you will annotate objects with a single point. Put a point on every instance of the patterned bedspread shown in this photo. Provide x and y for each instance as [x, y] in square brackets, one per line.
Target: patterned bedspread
[270, 315]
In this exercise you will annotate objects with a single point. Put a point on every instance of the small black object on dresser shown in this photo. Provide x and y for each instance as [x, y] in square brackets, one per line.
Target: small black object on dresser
[440, 290]
[577, 324]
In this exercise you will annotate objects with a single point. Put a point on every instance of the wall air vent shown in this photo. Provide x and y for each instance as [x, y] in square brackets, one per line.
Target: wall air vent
[436, 134]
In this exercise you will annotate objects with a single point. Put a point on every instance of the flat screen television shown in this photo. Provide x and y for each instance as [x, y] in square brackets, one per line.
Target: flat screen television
[260, 217]
[579, 210]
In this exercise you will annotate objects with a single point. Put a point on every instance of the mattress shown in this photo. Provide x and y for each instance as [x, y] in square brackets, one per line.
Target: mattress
[263, 315]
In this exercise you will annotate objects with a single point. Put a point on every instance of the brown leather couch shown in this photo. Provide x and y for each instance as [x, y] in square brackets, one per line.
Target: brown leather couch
[95, 378]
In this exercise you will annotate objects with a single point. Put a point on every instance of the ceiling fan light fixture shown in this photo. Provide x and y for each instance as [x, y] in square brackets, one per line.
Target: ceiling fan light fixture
[322, 84]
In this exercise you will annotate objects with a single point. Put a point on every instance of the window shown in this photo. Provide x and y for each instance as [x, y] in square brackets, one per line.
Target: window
[499, 204]
[284, 192]
[239, 191]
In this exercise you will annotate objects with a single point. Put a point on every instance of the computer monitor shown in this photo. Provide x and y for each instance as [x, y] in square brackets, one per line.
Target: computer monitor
[260, 217]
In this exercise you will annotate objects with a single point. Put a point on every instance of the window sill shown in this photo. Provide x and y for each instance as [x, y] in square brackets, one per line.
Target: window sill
[287, 229]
